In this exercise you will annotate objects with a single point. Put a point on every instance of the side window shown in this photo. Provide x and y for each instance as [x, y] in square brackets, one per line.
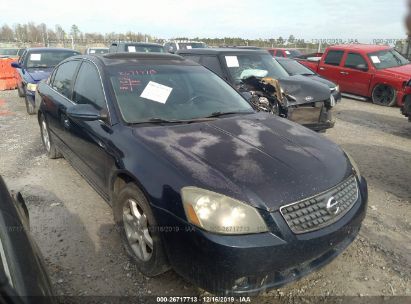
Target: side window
[88, 89]
[280, 54]
[334, 57]
[212, 63]
[64, 77]
[354, 60]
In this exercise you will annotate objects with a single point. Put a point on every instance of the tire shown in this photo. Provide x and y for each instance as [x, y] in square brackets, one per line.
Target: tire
[20, 91]
[48, 144]
[384, 95]
[30, 108]
[148, 255]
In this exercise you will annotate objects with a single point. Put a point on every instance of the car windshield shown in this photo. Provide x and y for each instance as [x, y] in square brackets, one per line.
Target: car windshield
[141, 48]
[191, 45]
[242, 66]
[387, 59]
[172, 93]
[8, 52]
[98, 51]
[295, 68]
[293, 53]
[47, 58]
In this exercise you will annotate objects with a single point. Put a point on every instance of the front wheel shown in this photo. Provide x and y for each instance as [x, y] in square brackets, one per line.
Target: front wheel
[384, 95]
[138, 230]
[48, 144]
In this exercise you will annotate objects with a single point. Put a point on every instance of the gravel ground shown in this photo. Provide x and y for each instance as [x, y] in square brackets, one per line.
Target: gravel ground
[74, 227]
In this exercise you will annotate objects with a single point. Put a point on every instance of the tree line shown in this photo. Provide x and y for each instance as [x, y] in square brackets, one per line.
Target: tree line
[41, 33]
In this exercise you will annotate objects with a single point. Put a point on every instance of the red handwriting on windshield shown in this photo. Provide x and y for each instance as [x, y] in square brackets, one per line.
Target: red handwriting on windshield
[127, 84]
[137, 72]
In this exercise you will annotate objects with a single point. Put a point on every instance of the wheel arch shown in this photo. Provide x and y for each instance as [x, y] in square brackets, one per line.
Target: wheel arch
[119, 179]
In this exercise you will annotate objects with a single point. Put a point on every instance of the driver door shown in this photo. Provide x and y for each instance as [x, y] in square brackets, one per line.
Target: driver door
[353, 79]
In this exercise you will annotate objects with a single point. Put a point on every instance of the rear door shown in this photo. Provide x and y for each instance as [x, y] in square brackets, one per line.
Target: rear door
[330, 66]
[353, 79]
[88, 139]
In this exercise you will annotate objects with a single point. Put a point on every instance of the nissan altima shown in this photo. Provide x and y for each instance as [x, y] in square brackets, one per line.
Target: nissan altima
[235, 201]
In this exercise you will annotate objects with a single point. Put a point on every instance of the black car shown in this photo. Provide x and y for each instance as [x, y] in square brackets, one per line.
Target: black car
[136, 47]
[23, 275]
[294, 68]
[35, 65]
[304, 101]
[233, 200]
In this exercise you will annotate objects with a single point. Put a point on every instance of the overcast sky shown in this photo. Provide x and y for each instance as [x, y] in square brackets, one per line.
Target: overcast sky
[309, 19]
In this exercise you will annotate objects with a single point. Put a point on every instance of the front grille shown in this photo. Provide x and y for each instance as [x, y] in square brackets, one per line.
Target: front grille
[312, 214]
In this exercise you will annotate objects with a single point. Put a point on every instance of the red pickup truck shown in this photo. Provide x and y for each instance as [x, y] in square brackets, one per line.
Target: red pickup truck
[366, 71]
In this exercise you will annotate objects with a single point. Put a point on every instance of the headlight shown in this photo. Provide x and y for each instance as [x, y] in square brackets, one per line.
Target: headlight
[32, 87]
[335, 89]
[220, 214]
[354, 164]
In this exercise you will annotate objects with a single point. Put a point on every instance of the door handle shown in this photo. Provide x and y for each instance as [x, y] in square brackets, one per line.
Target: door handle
[322, 69]
[344, 73]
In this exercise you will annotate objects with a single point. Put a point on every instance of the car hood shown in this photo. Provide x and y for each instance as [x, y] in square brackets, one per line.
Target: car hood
[304, 89]
[400, 72]
[260, 159]
[319, 79]
[38, 74]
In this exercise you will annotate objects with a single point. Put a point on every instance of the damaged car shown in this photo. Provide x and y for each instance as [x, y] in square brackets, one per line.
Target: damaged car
[235, 201]
[255, 73]
[293, 67]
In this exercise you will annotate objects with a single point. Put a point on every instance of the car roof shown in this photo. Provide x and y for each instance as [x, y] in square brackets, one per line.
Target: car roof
[361, 47]
[40, 49]
[146, 58]
[219, 51]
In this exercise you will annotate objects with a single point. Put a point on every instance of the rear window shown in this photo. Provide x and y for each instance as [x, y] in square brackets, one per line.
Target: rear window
[334, 57]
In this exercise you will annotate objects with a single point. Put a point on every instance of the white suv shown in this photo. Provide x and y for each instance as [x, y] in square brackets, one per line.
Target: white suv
[176, 45]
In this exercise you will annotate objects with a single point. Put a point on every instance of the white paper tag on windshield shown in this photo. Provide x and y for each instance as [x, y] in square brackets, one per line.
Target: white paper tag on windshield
[131, 49]
[375, 59]
[35, 57]
[189, 47]
[232, 61]
[92, 51]
[156, 92]
[287, 52]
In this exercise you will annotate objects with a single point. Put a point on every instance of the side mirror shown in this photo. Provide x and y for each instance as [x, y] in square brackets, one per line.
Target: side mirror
[170, 49]
[362, 67]
[85, 112]
[15, 65]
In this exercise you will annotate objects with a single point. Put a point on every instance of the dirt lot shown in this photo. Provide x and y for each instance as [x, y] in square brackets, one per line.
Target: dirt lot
[74, 227]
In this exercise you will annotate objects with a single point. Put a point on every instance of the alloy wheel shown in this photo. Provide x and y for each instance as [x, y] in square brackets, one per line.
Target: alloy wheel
[137, 231]
[383, 95]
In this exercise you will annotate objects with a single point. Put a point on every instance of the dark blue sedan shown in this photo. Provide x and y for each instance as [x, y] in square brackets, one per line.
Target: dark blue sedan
[35, 65]
[234, 201]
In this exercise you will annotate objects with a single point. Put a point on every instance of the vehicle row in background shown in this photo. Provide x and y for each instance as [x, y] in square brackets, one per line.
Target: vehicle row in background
[251, 71]
[136, 47]
[34, 65]
[366, 71]
[11, 52]
[176, 45]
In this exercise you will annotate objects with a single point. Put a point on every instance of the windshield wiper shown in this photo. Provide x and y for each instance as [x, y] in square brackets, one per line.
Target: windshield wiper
[166, 121]
[220, 114]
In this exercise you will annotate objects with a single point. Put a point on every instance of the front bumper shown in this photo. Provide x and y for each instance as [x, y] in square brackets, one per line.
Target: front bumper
[251, 264]
[30, 97]
[317, 118]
